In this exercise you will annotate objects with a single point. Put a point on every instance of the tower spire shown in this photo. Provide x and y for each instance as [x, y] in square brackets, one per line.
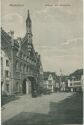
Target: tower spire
[29, 27]
[28, 23]
[28, 13]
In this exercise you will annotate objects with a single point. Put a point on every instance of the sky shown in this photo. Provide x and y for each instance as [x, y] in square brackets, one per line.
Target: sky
[57, 27]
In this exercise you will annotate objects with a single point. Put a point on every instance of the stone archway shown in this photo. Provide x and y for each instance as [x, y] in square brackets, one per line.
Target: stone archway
[26, 86]
[29, 85]
[33, 85]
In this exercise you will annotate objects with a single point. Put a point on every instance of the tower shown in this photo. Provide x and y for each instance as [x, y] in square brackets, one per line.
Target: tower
[28, 24]
[29, 28]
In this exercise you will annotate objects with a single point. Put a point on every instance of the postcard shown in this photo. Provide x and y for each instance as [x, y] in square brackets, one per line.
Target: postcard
[41, 62]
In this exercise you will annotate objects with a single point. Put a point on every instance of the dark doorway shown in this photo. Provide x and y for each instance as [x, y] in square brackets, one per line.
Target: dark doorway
[33, 86]
[24, 86]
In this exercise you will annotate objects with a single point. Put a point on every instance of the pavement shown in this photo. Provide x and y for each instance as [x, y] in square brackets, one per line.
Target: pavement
[57, 108]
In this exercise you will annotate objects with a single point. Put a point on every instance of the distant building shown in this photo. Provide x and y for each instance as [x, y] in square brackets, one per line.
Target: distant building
[5, 73]
[63, 86]
[50, 82]
[21, 67]
[75, 85]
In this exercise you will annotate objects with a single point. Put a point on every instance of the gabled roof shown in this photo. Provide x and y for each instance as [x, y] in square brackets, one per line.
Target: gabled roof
[7, 37]
[46, 75]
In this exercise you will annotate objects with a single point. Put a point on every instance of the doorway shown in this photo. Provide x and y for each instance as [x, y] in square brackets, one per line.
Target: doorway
[24, 86]
[29, 85]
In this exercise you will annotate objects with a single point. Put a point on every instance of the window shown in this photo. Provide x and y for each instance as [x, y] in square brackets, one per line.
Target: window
[21, 67]
[7, 73]
[16, 66]
[7, 62]
[21, 55]
[1, 66]
[24, 69]
[17, 85]
[1, 61]
[27, 68]
[70, 84]
[7, 87]
[25, 57]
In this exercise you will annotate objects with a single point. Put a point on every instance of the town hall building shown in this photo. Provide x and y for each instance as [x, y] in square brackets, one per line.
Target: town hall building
[21, 67]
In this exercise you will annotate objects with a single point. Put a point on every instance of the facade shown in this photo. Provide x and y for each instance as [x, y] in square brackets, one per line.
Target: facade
[21, 67]
[63, 86]
[5, 73]
[50, 81]
[75, 85]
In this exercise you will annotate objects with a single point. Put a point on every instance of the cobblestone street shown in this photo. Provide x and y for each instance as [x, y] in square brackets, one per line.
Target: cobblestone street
[51, 109]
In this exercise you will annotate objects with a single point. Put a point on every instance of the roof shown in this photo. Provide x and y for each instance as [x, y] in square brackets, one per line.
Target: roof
[46, 75]
[7, 37]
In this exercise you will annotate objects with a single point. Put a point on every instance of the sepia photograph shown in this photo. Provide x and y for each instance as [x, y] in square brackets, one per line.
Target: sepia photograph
[41, 62]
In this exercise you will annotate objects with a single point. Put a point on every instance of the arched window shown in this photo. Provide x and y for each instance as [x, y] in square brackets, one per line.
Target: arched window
[7, 62]
[16, 65]
[27, 69]
[24, 68]
[21, 67]
[17, 86]
[7, 87]
[1, 61]
[21, 55]
[27, 59]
